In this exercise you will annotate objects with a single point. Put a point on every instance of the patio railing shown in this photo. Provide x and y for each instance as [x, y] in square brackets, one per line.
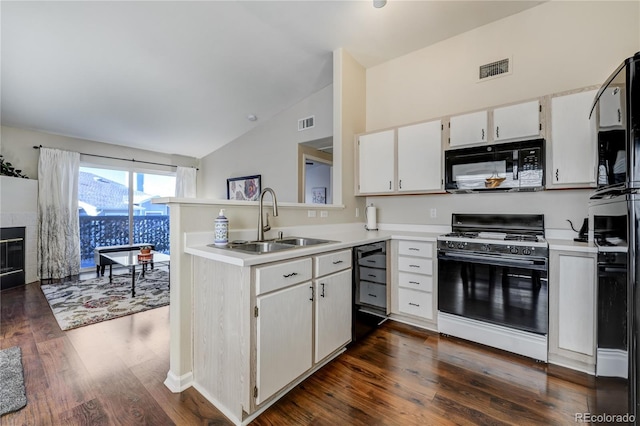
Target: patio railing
[114, 230]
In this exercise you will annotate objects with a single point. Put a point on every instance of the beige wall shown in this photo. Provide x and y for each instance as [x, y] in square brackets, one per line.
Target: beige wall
[269, 150]
[555, 47]
[17, 147]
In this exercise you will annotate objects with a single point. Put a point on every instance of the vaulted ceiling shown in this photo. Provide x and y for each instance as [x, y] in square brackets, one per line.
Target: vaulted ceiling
[181, 77]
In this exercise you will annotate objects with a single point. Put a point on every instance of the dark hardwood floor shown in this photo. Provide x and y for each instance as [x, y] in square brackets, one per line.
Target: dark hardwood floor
[112, 373]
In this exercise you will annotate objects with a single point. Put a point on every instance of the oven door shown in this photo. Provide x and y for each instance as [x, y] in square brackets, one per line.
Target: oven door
[498, 289]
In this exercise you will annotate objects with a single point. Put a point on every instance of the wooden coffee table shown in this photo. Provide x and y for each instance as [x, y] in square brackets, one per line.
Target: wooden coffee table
[129, 259]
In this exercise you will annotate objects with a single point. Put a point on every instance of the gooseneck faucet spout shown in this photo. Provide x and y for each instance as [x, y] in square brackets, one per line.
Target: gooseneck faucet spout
[261, 226]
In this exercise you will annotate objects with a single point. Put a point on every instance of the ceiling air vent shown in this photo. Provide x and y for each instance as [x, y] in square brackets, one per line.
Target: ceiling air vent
[494, 69]
[306, 123]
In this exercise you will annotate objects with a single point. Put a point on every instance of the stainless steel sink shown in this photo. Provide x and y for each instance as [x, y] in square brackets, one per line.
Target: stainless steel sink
[259, 247]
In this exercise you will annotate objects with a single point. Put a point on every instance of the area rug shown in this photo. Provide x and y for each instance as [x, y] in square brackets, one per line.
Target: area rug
[12, 393]
[79, 303]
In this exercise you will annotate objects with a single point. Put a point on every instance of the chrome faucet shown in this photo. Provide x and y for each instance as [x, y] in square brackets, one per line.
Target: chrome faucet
[262, 227]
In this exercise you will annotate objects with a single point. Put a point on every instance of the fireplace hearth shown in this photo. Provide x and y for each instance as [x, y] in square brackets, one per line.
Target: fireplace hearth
[12, 257]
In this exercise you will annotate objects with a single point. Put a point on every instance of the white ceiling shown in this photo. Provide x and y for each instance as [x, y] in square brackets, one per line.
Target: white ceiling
[180, 77]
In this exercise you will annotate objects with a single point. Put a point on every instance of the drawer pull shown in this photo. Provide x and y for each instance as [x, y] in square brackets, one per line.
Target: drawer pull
[290, 275]
[414, 249]
[337, 262]
[414, 282]
[322, 294]
[372, 295]
[312, 293]
[414, 266]
[371, 261]
[414, 304]
[372, 275]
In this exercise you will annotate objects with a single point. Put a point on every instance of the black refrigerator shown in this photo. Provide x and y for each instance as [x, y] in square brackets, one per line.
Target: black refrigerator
[614, 208]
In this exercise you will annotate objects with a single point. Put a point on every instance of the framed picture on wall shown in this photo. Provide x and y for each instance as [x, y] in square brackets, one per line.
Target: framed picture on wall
[245, 188]
[319, 195]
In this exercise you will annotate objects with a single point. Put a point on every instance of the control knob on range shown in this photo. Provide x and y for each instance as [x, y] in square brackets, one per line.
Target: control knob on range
[526, 251]
[485, 247]
[461, 245]
[514, 250]
[451, 244]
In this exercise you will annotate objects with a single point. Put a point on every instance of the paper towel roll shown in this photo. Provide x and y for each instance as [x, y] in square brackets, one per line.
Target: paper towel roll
[372, 221]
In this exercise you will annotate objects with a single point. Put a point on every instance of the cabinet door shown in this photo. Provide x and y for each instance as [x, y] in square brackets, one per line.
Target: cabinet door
[610, 108]
[283, 337]
[376, 162]
[420, 157]
[572, 308]
[517, 121]
[333, 313]
[468, 129]
[573, 141]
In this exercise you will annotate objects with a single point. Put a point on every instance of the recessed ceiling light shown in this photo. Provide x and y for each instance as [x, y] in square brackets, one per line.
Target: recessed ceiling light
[252, 117]
[379, 3]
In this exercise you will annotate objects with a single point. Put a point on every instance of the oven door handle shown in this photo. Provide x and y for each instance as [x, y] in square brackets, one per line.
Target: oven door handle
[495, 260]
[612, 269]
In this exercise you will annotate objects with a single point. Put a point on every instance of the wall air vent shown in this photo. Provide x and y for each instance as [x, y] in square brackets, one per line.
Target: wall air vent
[494, 69]
[306, 123]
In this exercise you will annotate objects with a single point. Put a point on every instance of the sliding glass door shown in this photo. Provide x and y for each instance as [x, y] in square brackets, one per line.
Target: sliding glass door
[115, 208]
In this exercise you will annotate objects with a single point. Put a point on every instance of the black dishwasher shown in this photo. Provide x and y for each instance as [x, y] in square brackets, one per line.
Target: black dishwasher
[369, 288]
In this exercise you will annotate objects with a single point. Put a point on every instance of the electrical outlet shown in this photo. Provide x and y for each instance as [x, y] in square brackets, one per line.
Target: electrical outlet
[434, 212]
[357, 212]
[311, 213]
[324, 213]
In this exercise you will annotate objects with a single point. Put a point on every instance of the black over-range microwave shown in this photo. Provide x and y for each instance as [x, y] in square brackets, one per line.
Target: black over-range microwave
[514, 166]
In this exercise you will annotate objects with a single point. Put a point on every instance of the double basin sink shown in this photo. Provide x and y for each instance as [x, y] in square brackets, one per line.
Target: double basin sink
[270, 246]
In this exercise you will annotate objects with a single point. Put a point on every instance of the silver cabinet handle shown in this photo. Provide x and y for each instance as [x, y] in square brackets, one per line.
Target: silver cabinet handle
[372, 295]
[389, 184]
[414, 282]
[337, 262]
[414, 304]
[322, 294]
[293, 274]
[414, 249]
[313, 292]
[414, 266]
[372, 275]
[482, 134]
[497, 131]
[400, 183]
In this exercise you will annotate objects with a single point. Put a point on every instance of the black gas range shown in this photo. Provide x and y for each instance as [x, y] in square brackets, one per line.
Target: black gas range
[492, 282]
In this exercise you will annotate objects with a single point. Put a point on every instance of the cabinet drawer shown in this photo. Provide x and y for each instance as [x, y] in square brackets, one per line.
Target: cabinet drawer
[274, 277]
[332, 262]
[415, 303]
[374, 261]
[415, 265]
[415, 248]
[375, 275]
[373, 294]
[415, 281]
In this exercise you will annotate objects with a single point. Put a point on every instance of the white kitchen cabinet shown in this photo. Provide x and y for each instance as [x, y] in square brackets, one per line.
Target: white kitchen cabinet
[413, 289]
[333, 313]
[293, 317]
[468, 129]
[572, 160]
[283, 338]
[517, 122]
[420, 157]
[376, 162]
[611, 108]
[572, 309]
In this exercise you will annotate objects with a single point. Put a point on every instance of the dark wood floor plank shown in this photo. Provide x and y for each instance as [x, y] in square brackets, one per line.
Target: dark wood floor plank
[113, 373]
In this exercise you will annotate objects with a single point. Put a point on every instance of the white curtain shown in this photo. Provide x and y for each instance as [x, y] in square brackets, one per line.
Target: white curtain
[186, 182]
[59, 229]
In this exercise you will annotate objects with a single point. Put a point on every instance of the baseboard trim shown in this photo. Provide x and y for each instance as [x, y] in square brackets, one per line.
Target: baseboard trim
[178, 384]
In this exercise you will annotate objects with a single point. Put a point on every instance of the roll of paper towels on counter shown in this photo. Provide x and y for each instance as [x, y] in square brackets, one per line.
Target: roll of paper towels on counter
[372, 221]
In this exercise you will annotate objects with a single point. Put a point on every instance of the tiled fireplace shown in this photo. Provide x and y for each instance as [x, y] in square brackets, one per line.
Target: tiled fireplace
[19, 209]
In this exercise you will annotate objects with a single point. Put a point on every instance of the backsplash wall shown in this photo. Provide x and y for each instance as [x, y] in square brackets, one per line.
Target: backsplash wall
[556, 205]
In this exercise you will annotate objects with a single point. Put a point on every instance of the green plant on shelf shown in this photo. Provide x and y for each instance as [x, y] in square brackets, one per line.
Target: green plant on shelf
[9, 170]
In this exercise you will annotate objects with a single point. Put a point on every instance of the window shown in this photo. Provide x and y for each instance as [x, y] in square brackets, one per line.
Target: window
[115, 208]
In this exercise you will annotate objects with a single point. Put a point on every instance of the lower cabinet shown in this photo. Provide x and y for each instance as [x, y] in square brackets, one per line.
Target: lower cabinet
[572, 309]
[412, 289]
[298, 324]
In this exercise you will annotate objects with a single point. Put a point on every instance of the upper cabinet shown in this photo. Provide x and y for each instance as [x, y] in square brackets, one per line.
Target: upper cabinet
[572, 142]
[468, 129]
[420, 157]
[520, 121]
[376, 163]
[412, 165]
